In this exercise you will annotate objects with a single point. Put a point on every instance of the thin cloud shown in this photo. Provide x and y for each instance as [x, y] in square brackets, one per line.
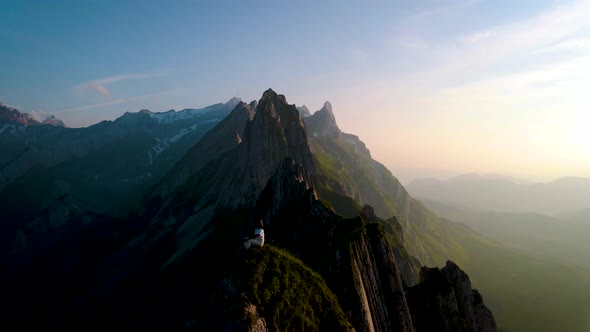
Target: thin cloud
[88, 107]
[539, 31]
[126, 77]
[100, 86]
[101, 89]
[116, 102]
[573, 44]
[472, 55]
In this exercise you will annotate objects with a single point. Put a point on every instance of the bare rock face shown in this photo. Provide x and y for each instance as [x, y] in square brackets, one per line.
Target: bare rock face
[258, 324]
[323, 123]
[304, 111]
[477, 316]
[9, 115]
[378, 301]
[275, 132]
[445, 301]
[389, 274]
[52, 120]
[227, 135]
[288, 183]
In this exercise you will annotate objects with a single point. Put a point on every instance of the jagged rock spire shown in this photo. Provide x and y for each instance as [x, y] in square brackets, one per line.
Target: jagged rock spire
[323, 123]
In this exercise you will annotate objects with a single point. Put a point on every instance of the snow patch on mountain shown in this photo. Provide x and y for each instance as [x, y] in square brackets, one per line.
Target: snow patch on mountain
[173, 116]
[5, 127]
[165, 143]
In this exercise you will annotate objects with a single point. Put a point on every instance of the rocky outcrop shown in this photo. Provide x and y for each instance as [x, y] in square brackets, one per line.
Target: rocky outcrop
[230, 167]
[11, 116]
[304, 111]
[226, 136]
[445, 301]
[287, 184]
[52, 120]
[407, 264]
[477, 316]
[273, 133]
[257, 323]
[323, 123]
[241, 154]
[383, 305]
[164, 261]
[373, 297]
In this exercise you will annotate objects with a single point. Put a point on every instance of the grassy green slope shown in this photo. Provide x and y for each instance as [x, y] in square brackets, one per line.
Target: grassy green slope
[537, 234]
[289, 294]
[347, 169]
[524, 293]
[527, 293]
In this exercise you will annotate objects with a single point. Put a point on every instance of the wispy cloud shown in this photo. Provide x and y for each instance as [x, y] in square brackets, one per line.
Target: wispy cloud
[100, 86]
[537, 32]
[569, 45]
[116, 101]
[515, 46]
[101, 89]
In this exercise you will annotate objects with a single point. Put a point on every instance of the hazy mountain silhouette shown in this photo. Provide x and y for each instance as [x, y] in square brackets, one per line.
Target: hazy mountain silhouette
[479, 193]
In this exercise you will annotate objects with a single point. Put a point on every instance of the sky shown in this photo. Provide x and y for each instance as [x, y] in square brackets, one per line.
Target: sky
[432, 87]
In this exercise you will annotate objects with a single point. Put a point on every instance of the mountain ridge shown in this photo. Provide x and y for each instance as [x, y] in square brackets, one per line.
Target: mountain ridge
[151, 261]
[558, 196]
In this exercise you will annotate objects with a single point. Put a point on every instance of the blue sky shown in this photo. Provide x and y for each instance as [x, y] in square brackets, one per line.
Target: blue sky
[464, 85]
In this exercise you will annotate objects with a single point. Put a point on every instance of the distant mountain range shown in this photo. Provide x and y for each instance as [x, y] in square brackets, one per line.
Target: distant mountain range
[103, 168]
[138, 223]
[560, 238]
[475, 192]
[11, 118]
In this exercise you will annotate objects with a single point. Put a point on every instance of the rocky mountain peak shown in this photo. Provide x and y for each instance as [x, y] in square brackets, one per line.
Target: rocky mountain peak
[327, 108]
[233, 102]
[304, 111]
[9, 115]
[274, 133]
[323, 123]
[476, 315]
[445, 301]
[254, 104]
[52, 120]
[271, 95]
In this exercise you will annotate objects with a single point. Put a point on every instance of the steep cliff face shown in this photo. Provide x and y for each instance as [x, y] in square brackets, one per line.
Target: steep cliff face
[232, 164]
[477, 316]
[271, 172]
[408, 265]
[224, 137]
[346, 167]
[445, 301]
[356, 259]
[318, 269]
[322, 123]
[383, 305]
[275, 132]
